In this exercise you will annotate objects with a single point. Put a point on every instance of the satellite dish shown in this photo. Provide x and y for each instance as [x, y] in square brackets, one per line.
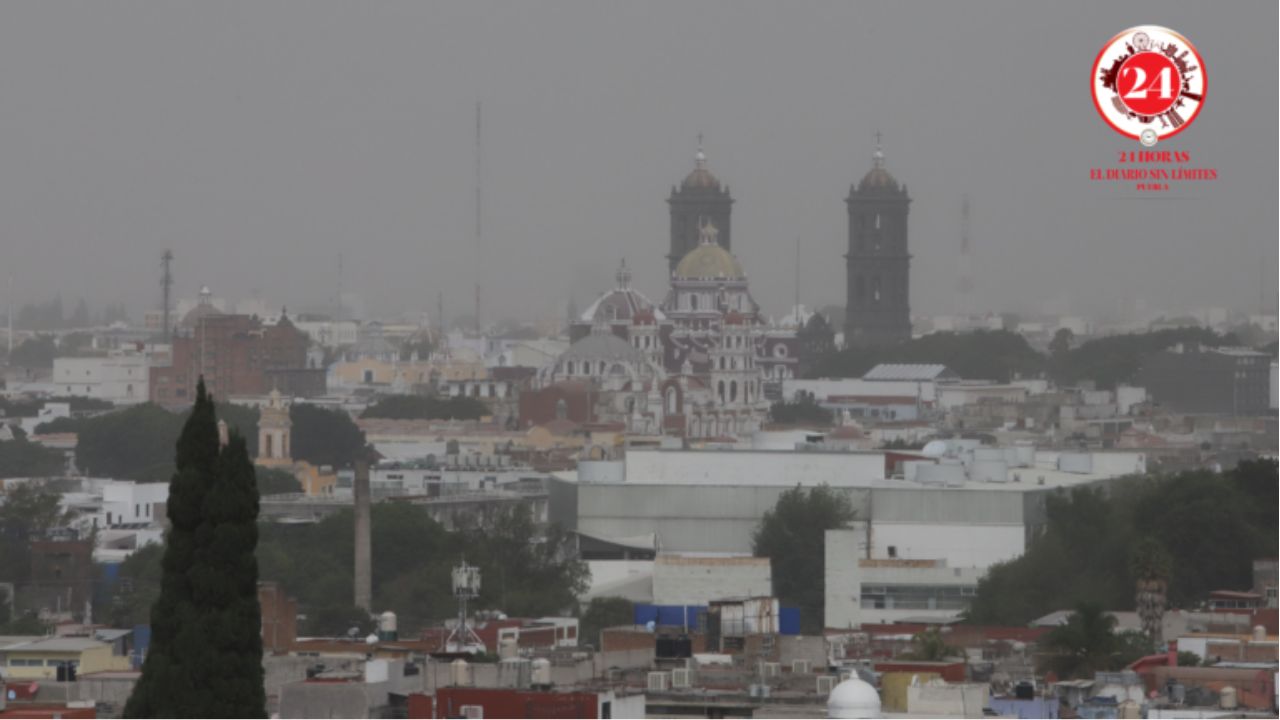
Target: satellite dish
[650, 626]
[371, 640]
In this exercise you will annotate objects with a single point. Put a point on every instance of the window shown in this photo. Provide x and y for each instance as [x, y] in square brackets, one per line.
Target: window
[893, 551]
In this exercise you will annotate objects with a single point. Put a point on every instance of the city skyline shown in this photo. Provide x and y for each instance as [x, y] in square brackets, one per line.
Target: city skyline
[370, 154]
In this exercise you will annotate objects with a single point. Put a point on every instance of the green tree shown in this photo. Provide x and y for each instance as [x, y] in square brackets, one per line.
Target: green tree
[22, 458]
[1211, 525]
[1061, 341]
[997, 355]
[135, 443]
[793, 536]
[601, 613]
[28, 510]
[138, 587]
[1114, 360]
[205, 658]
[1084, 645]
[324, 437]
[931, 646]
[35, 352]
[272, 481]
[803, 410]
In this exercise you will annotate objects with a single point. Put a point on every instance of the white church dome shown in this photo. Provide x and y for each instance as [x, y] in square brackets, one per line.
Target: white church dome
[853, 698]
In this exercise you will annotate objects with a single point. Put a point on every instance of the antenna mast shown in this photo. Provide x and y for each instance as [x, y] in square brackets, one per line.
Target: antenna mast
[966, 261]
[479, 198]
[166, 285]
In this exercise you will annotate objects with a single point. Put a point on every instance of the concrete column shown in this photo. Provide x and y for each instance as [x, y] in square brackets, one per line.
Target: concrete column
[364, 554]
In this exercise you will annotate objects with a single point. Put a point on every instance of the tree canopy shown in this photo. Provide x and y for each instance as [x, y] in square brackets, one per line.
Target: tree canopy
[1211, 526]
[997, 355]
[527, 570]
[793, 536]
[426, 407]
[1116, 359]
[28, 509]
[325, 437]
[205, 658]
[801, 411]
[22, 458]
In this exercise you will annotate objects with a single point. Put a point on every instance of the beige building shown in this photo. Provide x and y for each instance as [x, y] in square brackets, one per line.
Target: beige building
[39, 658]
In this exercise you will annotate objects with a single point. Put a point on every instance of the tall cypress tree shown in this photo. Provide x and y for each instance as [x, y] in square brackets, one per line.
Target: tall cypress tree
[205, 658]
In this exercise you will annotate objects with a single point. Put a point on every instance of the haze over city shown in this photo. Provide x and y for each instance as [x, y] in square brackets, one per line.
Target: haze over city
[259, 142]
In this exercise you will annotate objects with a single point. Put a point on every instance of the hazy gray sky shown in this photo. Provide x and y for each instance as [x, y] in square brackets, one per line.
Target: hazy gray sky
[260, 139]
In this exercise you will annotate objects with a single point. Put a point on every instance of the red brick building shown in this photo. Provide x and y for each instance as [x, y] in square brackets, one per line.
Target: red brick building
[236, 355]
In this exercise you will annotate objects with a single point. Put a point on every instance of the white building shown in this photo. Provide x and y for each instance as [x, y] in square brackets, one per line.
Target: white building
[120, 378]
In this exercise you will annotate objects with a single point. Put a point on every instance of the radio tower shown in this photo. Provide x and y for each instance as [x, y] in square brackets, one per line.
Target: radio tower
[965, 266]
[479, 236]
[166, 285]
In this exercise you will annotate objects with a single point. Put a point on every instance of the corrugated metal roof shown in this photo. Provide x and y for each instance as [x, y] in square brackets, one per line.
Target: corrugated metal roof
[908, 371]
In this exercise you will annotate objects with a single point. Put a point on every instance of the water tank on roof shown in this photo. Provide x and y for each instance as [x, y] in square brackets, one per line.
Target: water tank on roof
[508, 648]
[1227, 698]
[460, 673]
[387, 626]
[542, 672]
[1259, 632]
[934, 448]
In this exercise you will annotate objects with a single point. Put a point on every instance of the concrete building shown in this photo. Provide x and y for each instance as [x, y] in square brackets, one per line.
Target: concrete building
[120, 377]
[860, 589]
[41, 658]
[969, 510]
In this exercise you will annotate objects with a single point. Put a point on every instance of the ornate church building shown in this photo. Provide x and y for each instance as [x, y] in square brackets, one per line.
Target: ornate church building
[702, 364]
[877, 310]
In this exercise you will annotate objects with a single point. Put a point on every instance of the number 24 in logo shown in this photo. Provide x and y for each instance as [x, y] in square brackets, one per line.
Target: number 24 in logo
[1148, 83]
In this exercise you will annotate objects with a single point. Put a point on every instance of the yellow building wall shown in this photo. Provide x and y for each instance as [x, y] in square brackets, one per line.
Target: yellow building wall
[893, 688]
[98, 659]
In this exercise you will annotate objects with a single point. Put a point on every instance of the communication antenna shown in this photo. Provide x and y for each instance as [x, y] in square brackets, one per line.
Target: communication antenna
[338, 313]
[466, 586]
[965, 285]
[479, 205]
[9, 314]
[166, 286]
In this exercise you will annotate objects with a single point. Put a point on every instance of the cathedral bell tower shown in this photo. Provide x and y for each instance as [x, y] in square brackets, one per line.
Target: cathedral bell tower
[877, 310]
[699, 199]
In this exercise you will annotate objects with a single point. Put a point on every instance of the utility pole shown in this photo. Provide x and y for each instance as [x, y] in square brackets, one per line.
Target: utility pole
[166, 284]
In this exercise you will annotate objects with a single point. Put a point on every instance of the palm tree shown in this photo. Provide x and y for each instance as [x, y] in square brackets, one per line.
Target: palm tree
[1084, 645]
[930, 646]
[1150, 567]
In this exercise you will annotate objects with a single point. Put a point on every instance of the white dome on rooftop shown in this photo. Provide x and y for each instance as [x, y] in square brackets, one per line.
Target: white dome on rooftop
[853, 698]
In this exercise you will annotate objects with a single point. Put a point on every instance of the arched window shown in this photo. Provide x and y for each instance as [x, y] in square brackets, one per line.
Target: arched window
[671, 401]
[693, 302]
[722, 391]
[733, 391]
[562, 409]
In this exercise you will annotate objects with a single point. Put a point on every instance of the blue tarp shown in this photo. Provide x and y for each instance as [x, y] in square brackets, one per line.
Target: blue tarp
[669, 615]
[789, 621]
[687, 616]
[141, 641]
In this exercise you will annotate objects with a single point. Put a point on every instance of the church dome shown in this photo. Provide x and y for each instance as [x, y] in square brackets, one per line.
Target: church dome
[621, 304]
[602, 345]
[701, 178]
[853, 698]
[878, 178]
[709, 260]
